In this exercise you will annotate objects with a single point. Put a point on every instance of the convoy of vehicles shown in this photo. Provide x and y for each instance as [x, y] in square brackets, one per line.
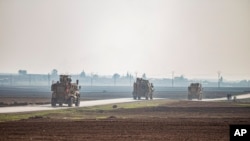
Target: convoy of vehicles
[66, 92]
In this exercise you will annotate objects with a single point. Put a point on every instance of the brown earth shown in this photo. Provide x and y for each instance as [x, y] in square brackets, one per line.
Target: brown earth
[176, 120]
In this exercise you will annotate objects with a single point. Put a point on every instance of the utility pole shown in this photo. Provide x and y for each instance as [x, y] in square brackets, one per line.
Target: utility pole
[91, 78]
[172, 79]
[218, 78]
[130, 77]
[29, 79]
[11, 79]
[114, 80]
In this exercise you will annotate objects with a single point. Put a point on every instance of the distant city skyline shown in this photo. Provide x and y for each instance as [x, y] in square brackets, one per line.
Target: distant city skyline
[195, 38]
[214, 78]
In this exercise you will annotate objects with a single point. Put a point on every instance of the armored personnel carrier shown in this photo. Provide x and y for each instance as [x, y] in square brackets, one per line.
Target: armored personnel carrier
[142, 88]
[195, 91]
[65, 92]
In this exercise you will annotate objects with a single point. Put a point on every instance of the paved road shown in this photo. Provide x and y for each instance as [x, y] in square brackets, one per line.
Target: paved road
[30, 108]
[244, 96]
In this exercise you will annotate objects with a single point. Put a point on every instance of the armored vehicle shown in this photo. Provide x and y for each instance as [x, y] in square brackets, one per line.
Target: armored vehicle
[195, 91]
[142, 88]
[65, 92]
[229, 96]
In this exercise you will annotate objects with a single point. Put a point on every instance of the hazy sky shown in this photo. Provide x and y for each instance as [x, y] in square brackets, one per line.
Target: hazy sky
[195, 38]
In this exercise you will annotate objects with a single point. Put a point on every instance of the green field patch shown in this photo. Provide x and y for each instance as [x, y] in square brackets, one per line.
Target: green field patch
[19, 116]
[27, 115]
[94, 112]
[244, 104]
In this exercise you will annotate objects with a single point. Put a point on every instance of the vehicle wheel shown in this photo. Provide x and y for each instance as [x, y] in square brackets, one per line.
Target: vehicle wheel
[70, 102]
[53, 102]
[200, 97]
[77, 102]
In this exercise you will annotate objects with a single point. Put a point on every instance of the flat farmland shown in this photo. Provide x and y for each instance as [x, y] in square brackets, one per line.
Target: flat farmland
[143, 120]
[171, 118]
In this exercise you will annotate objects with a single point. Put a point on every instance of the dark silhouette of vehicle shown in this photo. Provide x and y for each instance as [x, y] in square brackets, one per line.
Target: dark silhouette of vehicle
[65, 92]
[142, 88]
[195, 91]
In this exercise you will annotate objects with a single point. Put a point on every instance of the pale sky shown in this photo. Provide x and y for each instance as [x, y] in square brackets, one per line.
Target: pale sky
[196, 38]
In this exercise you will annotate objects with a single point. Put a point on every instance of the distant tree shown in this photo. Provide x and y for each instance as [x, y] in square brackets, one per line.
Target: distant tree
[243, 83]
[54, 72]
[22, 72]
[83, 74]
[221, 79]
[130, 79]
[95, 76]
[115, 77]
[181, 78]
[128, 75]
[144, 76]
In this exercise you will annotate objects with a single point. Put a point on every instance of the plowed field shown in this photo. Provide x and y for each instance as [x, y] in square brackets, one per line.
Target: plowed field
[182, 120]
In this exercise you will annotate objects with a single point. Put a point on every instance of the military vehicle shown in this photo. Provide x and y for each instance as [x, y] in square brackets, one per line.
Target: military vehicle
[229, 96]
[65, 92]
[195, 91]
[142, 88]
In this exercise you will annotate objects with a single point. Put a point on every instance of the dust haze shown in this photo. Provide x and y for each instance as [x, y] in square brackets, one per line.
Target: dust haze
[195, 38]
